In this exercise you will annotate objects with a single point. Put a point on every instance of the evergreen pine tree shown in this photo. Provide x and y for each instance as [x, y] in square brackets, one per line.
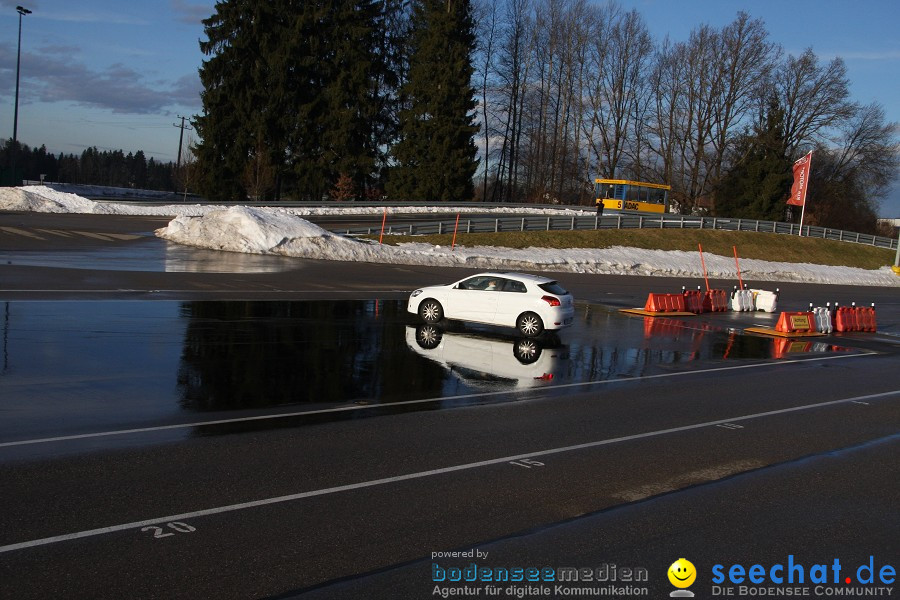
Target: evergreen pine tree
[436, 152]
[230, 78]
[759, 182]
[335, 52]
[236, 109]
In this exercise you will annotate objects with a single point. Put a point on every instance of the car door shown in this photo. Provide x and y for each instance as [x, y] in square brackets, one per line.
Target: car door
[473, 299]
[513, 301]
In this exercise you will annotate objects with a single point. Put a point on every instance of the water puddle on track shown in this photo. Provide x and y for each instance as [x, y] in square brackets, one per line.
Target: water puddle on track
[72, 367]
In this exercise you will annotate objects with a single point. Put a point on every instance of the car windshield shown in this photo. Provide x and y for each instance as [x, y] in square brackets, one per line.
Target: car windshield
[554, 288]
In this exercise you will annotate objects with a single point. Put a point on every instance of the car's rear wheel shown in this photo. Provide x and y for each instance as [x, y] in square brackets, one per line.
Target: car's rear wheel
[431, 311]
[529, 324]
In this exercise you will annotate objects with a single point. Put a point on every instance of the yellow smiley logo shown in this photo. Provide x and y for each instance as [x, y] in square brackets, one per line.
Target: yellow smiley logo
[682, 573]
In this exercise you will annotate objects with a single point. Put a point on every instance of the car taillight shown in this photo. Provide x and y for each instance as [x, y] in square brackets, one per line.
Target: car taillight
[551, 300]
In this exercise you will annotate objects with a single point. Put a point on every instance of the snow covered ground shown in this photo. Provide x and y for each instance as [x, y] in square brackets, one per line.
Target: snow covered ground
[284, 232]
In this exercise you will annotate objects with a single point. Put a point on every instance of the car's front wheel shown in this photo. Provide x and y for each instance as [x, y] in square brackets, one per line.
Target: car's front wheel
[431, 311]
[529, 324]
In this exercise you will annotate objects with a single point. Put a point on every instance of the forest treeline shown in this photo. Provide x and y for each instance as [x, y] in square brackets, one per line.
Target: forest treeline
[526, 101]
[92, 167]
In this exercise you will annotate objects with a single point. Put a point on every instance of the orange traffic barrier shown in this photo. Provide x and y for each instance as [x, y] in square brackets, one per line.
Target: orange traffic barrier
[796, 322]
[855, 324]
[871, 319]
[715, 301]
[693, 300]
[865, 318]
[664, 303]
[842, 319]
[855, 318]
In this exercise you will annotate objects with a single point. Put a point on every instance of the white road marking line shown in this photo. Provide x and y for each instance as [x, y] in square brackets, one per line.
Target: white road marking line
[343, 409]
[419, 475]
[22, 232]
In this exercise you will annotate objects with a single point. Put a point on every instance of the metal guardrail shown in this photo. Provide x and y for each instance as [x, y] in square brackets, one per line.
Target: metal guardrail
[624, 221]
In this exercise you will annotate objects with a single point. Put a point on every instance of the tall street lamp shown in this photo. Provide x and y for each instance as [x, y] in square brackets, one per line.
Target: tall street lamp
[15, 146]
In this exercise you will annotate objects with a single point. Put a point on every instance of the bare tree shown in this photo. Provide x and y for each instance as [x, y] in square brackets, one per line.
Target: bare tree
[814, 98]
[620, 51]
[868, 150]
[706, 91]
[551, 151]
[487, 20]
[686, 84]
[746, 62]
[665, 81]
[511, 70]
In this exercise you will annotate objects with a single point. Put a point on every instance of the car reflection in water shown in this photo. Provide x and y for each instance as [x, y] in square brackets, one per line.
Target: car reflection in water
[491, 360]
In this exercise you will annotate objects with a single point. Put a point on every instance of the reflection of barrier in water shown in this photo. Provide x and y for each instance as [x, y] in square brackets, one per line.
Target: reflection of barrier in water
[676, 331]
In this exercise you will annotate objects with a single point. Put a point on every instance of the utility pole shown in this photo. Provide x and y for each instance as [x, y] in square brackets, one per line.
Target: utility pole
[182, 127]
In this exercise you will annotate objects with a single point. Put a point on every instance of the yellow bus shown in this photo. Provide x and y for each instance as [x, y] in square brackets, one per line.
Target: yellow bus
[621, 194]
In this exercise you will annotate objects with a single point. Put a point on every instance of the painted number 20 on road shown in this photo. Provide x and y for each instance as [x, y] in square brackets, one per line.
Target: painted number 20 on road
[175, 527]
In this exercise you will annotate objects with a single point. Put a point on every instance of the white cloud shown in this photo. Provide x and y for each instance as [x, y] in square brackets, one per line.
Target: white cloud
[53, 75]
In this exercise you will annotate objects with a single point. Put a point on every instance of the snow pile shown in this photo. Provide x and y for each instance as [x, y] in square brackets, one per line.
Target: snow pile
[243, 229]
[99, 191]
[282, 231]
[272, 231]
[43, 199]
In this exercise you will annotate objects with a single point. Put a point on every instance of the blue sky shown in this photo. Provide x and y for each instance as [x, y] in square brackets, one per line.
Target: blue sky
[116, 74]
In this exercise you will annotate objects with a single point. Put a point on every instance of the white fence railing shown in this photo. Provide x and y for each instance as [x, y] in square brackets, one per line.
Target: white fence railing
[624, 221]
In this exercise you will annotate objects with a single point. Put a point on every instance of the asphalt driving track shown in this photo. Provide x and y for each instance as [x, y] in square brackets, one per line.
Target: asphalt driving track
[721, 461]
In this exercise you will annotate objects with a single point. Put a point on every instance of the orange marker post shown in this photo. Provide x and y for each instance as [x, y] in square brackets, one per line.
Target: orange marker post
[736, 264]
[703, 264]
[383, 221]
[455, 228]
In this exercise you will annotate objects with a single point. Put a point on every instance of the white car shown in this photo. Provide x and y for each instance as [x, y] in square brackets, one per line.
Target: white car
[529, 303]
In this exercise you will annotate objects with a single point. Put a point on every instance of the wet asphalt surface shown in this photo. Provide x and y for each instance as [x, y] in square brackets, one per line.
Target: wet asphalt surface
[179, 424]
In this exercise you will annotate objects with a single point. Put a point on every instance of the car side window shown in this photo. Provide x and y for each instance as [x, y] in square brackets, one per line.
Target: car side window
[477, 283]
[514, 286]
[493, 284]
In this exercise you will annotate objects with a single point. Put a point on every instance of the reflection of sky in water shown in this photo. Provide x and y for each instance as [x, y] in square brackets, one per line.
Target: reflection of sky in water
[153, 255]
[90, 366]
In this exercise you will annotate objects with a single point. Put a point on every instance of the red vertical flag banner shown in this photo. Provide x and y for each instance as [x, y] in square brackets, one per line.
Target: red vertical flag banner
[801, 185]
[801, 181]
